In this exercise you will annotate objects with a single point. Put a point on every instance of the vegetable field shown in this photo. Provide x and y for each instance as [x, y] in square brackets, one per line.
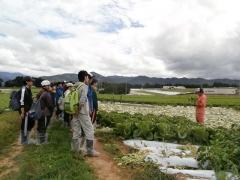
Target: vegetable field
[150, 137]
[219, 147]
[215, 116]
[184, 100]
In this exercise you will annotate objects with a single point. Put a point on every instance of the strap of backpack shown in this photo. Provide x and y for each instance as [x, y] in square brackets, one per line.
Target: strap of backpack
[80, 86]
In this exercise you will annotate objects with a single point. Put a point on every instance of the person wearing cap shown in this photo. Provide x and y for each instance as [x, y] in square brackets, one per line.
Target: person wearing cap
[200, 106]
[67, 116]
[26, 101]
[47, 107]
[81, 122]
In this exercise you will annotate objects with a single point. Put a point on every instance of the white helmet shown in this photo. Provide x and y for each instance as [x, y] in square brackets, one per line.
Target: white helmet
[69, 84]
[45, 83]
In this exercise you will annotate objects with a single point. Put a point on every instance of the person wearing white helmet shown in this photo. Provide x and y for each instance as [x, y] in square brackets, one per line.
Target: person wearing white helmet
[47, 107]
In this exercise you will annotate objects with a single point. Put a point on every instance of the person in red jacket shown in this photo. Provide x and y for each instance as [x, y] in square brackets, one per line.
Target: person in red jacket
[200, 106]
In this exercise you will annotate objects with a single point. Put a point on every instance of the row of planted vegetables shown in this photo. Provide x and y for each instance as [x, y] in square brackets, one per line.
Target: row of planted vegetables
[220, 147]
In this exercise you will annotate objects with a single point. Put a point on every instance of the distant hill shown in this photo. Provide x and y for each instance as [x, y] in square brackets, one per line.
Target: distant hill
[62, 77]
[144, 80]
[5, 76]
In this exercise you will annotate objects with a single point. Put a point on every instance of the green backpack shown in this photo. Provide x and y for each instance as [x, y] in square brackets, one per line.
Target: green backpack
[71, 101]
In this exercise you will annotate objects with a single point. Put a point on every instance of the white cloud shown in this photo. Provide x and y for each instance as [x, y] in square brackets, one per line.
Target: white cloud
[130, 37]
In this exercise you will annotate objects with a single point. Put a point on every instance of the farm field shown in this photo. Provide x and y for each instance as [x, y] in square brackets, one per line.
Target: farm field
[184, 100]
[217, 148]
[152, 140]
[215, 116]
[155, 99]
[119, 90]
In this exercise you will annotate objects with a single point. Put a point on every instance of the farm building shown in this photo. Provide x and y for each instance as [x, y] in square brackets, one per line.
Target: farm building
[174, 87]
[222, 91]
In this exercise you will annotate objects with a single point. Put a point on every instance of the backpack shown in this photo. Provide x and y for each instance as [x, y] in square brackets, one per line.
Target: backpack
[72, 100]
[35, 111]
[61, 103]
[14, 102]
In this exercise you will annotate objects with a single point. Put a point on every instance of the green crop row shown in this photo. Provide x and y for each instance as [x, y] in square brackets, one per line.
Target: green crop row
[220, 146]
[232, 101]
[152, 127]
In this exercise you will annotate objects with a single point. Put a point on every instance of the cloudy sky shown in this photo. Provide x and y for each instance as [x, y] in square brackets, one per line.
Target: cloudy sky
[162, 38]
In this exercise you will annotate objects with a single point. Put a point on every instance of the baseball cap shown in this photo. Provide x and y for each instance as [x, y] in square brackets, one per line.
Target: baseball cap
[28, 79]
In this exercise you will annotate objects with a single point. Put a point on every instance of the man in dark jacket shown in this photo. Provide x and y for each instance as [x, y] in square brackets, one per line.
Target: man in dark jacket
[47, 107]
[90, 94]
[26, 101]
[94, 85]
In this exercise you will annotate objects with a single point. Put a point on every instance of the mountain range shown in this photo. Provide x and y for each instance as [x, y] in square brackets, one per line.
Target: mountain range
[141, 80]
[5, 76]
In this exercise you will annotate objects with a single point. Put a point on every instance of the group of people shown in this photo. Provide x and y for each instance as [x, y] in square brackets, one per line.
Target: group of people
[51, 102]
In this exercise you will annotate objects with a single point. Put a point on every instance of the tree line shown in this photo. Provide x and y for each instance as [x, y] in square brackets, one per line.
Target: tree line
[18, 82]
[117, 88]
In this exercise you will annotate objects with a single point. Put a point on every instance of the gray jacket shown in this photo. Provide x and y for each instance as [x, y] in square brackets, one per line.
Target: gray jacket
[83, 101]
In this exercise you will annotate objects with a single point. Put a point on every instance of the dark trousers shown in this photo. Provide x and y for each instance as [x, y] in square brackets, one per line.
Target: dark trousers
[30, 123]
[43, 123]
[42, 128]
[67, 118]
[26, 126]
[94, 116]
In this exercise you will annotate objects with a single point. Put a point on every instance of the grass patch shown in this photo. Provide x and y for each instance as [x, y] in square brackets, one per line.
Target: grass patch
[109, 139]
[152, 172]
[4, 102]
[113, 149]
[9, 129]
[52, 161]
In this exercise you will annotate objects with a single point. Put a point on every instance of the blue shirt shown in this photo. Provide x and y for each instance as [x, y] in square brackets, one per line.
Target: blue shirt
[59, 93]
[90, 98]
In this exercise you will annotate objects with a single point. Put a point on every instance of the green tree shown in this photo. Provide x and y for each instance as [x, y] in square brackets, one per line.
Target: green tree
[37, 82]
[17, 82]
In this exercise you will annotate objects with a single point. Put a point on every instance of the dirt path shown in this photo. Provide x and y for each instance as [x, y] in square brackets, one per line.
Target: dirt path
[105, 168]
[7, 162]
